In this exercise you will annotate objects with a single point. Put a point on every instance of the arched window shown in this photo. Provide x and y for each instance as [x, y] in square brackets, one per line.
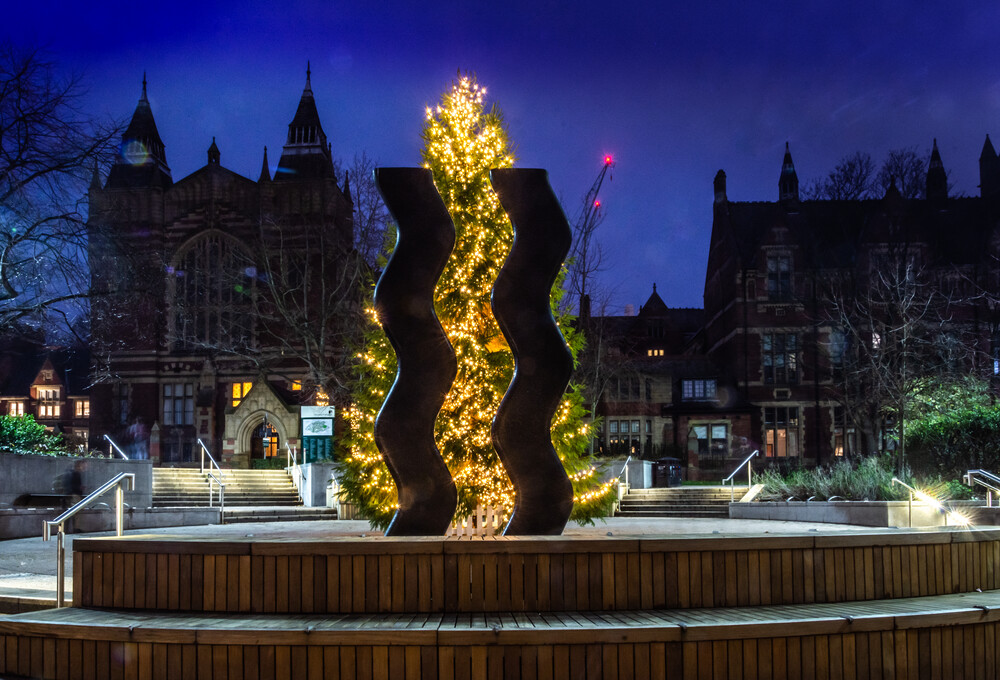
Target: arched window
[212, 281]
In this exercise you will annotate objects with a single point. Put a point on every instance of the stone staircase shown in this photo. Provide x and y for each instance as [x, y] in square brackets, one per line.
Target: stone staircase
[682, 501]
[189, 488]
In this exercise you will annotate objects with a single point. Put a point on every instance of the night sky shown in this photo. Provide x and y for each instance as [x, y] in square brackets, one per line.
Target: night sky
[674, 93]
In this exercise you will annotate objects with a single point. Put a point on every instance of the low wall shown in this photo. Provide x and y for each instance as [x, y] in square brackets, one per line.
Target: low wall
[35, 474]
[640, 472]
[861, 513]
[27, 522]
[311, 481]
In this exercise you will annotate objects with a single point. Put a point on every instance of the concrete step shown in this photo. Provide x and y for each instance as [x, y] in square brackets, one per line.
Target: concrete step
[244, 515]
[673, 513]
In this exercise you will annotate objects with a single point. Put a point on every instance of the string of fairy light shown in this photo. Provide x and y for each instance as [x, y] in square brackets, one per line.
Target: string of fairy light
[463, 142]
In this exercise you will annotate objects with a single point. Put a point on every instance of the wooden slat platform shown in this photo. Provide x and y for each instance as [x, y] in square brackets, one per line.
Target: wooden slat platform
[950, 636]
[497, 574]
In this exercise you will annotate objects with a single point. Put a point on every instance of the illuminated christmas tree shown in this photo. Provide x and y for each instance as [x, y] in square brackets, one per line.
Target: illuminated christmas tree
[463, 142]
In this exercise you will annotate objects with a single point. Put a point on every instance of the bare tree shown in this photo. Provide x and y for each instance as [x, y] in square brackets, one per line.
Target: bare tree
[852, 179]
[907, 169]
[371, 218]
[48, 151]
[892, 328]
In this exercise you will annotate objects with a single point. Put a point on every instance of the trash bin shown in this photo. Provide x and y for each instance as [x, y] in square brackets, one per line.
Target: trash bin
[667, 472]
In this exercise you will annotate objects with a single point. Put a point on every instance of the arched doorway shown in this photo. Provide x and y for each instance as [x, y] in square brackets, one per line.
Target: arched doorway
[264, 441]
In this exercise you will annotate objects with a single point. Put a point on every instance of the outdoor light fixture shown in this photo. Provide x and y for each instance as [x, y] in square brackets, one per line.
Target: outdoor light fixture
[956, 518]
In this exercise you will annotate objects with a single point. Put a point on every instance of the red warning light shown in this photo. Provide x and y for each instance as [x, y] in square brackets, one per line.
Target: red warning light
[607, 159]
[597, 204]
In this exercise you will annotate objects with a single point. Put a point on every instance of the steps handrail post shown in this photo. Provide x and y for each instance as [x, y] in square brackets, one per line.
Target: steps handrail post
[60, 568]
[730, 479]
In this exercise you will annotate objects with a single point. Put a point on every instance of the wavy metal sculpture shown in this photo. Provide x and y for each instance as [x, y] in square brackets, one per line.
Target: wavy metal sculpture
[543, 363]
[404, 300]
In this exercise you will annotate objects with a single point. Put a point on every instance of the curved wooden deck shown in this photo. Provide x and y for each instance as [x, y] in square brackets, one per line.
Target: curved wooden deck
[891, 604]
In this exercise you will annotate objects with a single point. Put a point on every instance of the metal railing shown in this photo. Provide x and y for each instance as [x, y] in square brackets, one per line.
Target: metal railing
[624, 471]
[114, 447]
[732, 482]
[292, 457]
[927, 499]
[985, 479]
[213, 479]
[117, 483]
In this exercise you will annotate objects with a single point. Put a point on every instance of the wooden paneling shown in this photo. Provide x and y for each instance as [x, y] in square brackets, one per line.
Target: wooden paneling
[502, 574]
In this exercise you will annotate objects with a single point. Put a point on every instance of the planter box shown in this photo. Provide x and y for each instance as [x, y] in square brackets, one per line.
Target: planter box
[861, 513]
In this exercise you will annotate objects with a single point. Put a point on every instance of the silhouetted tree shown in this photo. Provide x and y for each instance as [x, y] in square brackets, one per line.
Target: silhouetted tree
[48, 150]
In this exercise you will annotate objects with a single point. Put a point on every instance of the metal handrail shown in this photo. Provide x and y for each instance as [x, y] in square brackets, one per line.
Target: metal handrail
[292, 457]
[618, 492]
[116, 482]
[116, 447]
[732, 482]
[624, 471]
[931, 501]
[973, 477]
[213, 478]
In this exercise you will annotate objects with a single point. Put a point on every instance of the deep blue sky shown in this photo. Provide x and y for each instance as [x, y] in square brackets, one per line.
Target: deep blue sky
[674, 93]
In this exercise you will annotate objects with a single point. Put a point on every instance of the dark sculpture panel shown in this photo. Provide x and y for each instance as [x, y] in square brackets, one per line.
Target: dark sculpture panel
[543, 363]
[404, 300]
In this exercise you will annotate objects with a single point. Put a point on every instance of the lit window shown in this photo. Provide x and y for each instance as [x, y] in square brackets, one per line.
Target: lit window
[781, 431]
[83, 408]
[654, 352]
[296, 386]
[240, 390]
[16, 408]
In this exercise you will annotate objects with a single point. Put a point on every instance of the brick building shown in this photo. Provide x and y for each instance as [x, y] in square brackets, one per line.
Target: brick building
[188, 342]
[768, 365]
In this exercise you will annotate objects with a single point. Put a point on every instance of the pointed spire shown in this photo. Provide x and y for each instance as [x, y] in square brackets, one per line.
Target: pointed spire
[306, 153]
[989, 171]
[213, 154]
[988, 151]
[142, 150]
[265, 171]
[937, 178]
[347, 186]
[788, 181]
[720, 187]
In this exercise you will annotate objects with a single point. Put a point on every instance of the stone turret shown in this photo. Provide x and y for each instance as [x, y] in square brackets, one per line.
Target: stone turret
[306, 154]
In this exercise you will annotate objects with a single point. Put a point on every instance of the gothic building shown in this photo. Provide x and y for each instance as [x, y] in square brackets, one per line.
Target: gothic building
[808, 304]
[804, 300]
[191, 339]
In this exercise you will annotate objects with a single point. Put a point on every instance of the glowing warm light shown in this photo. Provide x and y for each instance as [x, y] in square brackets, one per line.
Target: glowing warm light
[463, 140]
[608, 160]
